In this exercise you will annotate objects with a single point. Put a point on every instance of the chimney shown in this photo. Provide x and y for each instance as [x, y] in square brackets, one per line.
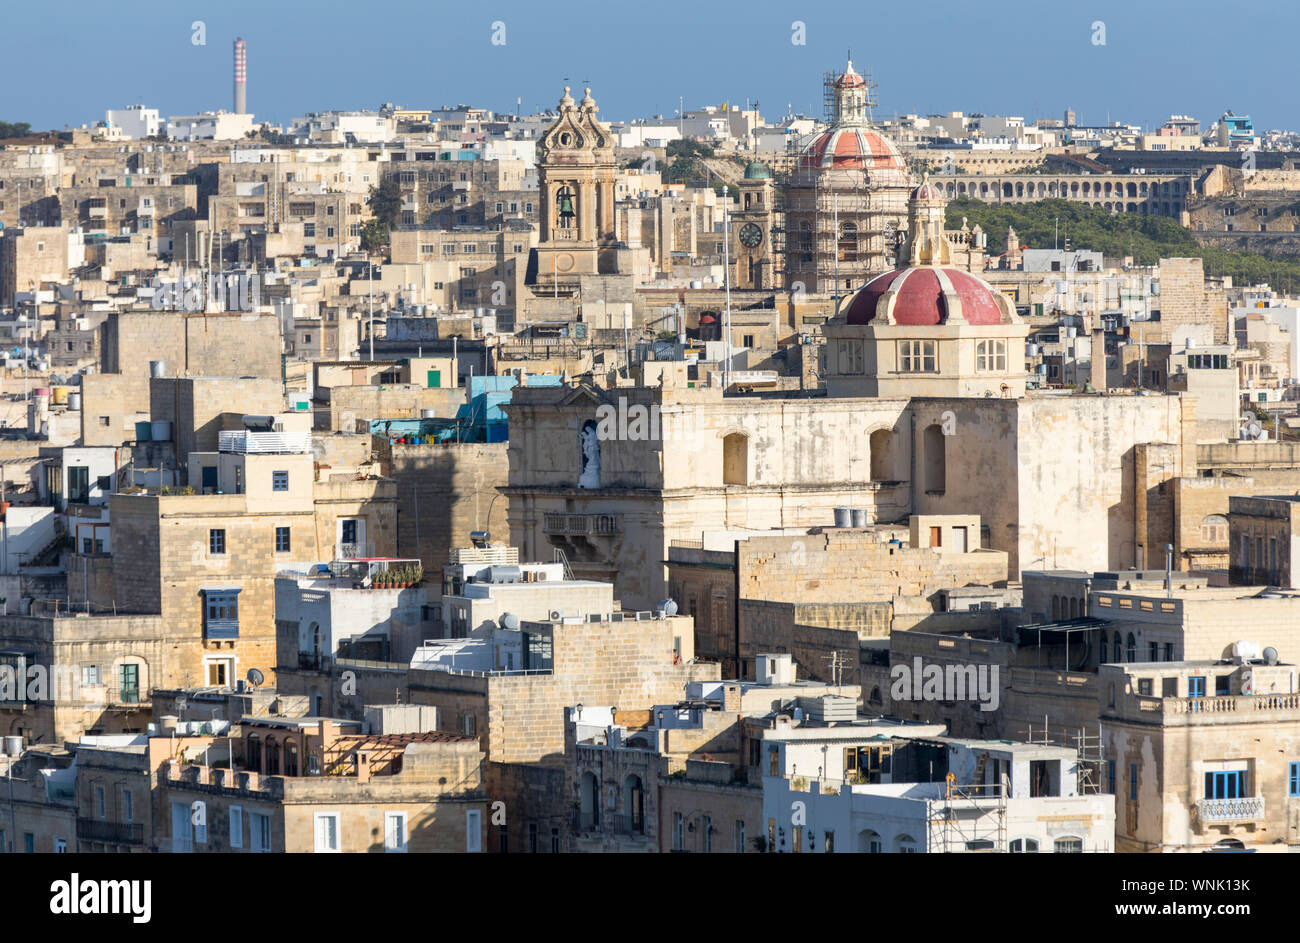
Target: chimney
[731, 698]
[241, 77]
[1098, 364]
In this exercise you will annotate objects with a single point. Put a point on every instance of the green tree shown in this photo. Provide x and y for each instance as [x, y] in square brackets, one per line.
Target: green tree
[374, 236]
[1148, 239]
[20, 129]
[386, 202]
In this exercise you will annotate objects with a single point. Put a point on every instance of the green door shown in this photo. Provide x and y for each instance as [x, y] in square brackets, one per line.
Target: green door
[435, 379]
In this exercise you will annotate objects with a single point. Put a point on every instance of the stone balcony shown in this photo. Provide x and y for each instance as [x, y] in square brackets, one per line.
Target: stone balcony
[580, 525]
[1207, 711]
[1224, 811]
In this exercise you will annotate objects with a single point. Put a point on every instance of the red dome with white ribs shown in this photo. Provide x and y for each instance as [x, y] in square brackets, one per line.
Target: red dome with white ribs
[850, 148]
[920, 297]
[927, 191]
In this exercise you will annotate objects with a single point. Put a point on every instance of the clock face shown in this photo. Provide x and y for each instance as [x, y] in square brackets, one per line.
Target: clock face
[751, 235]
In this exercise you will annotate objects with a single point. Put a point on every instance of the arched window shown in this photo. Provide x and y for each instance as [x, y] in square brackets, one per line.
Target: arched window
[1214, 529]
[1074, 608]
[589, 800]
[290, 758]
[1132, 648]
[881, 444]
[905, 845]
[869, 843]
[253, 752]
[1068, 844]
[848, 242]
[875, 697]
[1118, 650]
[1024, 846]
[272, 758]
[1056, 608]
[936, 472]
[634, 803]
[735, 459]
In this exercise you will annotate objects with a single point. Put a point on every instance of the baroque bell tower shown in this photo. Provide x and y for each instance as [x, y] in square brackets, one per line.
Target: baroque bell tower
[575, 172]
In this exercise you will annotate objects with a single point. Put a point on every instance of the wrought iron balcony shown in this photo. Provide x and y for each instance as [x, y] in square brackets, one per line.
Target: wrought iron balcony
[120, 833]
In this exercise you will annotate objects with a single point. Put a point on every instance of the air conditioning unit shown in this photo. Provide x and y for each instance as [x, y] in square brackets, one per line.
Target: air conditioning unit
[555, 615]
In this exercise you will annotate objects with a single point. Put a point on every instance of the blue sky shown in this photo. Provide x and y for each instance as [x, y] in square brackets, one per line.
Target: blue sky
[1197, 57]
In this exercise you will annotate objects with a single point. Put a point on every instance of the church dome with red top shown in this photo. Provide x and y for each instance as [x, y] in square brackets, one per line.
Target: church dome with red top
[921, 297]
[851, 148]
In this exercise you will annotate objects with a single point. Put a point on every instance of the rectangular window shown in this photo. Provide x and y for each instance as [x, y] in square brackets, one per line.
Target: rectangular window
[327, 832]
[128, 806]
[280, 479]
[740, 836]
[1225, 784]
[395, 832]
[100, 804]
[89, 674]
[678, 837]
[259, 832]
[129, 676]
[216, 541]
[1110, 777]
[916, 356]
[29, 843]
[1196, 687]
[282, 540]
[1133, 782]
[236, 827]
[1294, 780]
[201, 826]
[1144, 687]
[60, 846]
[474, 831]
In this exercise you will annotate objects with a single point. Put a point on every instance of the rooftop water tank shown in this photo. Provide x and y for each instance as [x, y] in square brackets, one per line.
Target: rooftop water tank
[844, 517]
[859, 517]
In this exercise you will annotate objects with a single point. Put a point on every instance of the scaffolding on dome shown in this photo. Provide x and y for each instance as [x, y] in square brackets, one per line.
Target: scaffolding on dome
[835, 230]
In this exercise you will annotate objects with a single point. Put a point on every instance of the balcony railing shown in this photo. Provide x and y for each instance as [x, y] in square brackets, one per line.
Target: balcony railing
[270, 442]
[1243, 809]
[120, 833]
[581, 525]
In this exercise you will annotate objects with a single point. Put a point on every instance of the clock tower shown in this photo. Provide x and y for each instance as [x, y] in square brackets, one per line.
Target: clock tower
[751, 230]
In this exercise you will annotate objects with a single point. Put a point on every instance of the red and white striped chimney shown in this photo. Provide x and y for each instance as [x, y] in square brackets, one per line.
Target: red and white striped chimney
[241, 77]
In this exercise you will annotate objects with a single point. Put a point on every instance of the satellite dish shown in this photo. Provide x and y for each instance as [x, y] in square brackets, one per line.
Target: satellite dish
[182, 702]
[668, 607]
[255, 677]
[508, 620]
[1270, 656]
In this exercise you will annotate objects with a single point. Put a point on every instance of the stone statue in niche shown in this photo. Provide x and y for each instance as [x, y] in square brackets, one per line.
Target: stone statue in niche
[590, 442]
